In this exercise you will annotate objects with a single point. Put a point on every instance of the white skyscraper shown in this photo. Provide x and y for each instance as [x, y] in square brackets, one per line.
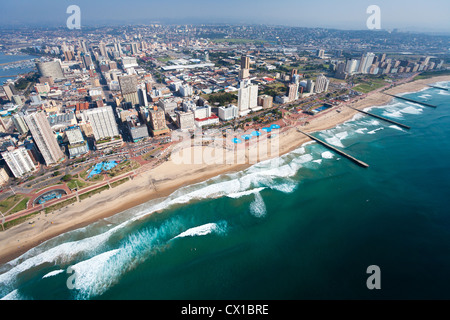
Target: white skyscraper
[352, 66]
[102, 122]
[18, 161]
[247, 97]
[322, 84]
[366, 62]
[43, 136]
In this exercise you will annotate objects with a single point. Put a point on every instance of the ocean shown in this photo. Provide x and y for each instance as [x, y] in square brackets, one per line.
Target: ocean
[16, 70]
[306, 225]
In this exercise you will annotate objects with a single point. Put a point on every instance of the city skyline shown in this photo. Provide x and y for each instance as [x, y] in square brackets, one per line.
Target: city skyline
[347, 14]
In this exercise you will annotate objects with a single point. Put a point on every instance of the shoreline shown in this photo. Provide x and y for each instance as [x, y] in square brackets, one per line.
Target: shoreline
[169, 177]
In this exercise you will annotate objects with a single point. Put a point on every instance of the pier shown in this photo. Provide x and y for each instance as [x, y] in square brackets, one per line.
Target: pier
[411, 100]
[382, 118]
[436, 87]
[342, 153]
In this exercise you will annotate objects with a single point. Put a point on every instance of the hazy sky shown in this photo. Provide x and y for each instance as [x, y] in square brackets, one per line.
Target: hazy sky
[417, 15]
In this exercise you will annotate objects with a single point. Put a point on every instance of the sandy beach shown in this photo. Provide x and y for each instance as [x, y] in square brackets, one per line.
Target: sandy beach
[168, 177]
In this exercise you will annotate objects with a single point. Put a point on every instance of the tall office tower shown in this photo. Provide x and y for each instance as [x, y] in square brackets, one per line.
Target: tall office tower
[245, 68]
[247, 97]
[142, 94]
[9, 90]
[245, 62]
[118, 47]
[383, 57]
[134, 48]
[19, 123]
[322, 84]
[293, 73]
[102, 47]
[352, 66]
[87, 61]
[157, 121]
[18, 161]
[293, 92]
[50, 69]
[310, 86]
[321, 53]
[128, 87]
[340, 71]
[103, 123]
[43, 136]
[84, 46]
[366, 62]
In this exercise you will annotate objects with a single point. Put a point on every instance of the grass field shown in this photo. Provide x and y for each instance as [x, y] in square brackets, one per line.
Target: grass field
[17, 202]
[369, 85]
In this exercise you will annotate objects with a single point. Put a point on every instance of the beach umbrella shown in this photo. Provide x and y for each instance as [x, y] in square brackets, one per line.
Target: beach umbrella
[246, 137]
[237, 140]
[275, 126]
[256, 133]
[266, 129]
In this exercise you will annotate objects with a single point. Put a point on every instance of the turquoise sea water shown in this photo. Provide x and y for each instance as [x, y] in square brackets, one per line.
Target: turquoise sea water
[304, 226]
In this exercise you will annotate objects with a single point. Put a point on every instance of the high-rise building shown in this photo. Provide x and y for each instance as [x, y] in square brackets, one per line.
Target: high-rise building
[340, 71]
[43, 136]
[186, 90]
[19, 123]
[352, 66]
[247, 97]
[128, 87]
[185, 119]
[4, 177]
[134, 48]
[310, 86]
[366, 62]
[18, 161]
[245, 68]
[103, 122]
[265, 101]
[157, 121]
[102, 47]
[321, 53]
[322, 84]
[228, 112]
[50, 69]
[245, 62]
[293, 92]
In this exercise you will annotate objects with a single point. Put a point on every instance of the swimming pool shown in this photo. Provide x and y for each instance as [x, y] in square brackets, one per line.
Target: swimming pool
[99, 167]
[324, 107]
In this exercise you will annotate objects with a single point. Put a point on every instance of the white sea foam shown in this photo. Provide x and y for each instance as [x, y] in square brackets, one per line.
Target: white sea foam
[361, 130]
[93, 276]
[287, 187]
[244, 193]
[319, 161]
[202, 230]
[327, 155]
[393, 114]
[335, 141]
[412, 110]
[53, 273]
[396, 127]
[258, 207]
[14, 295]
[374, 131]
